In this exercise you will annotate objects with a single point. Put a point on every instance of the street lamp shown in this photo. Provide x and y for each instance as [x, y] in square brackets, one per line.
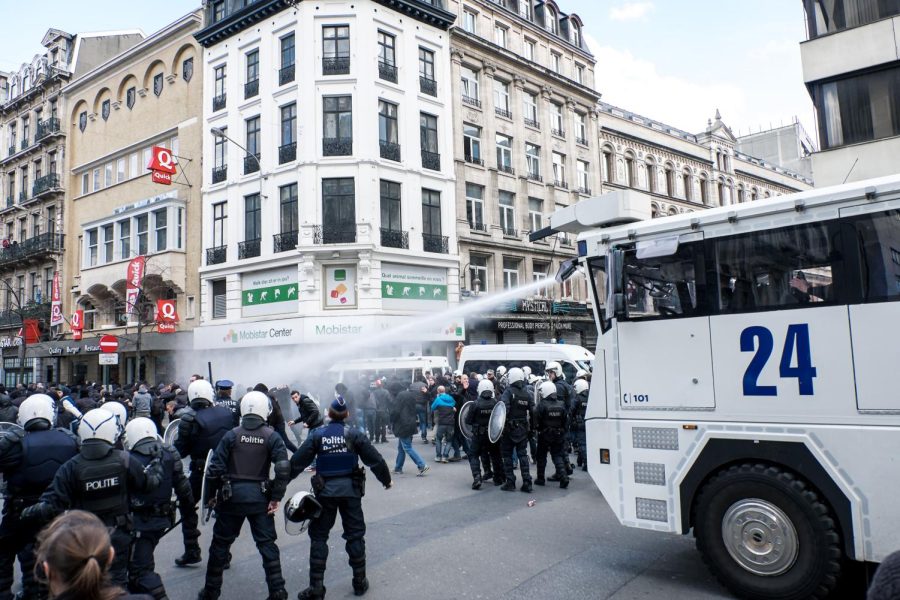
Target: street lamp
[220, 133]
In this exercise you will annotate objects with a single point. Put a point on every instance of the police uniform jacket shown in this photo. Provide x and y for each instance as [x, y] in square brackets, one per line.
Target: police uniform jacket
[480, 416]
[231, 404]
[201, 429]
[579, 409]
[551, 415]
[244, 458]
[337, 449]
[153, 510]
[30, 461]
[565, 393]
[519, 409]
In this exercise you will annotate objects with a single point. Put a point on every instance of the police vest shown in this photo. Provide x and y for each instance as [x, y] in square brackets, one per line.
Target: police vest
[519, 404]
[43, 452]
[212, 424]
[580, 409]
[101, 485]
[161, 495]
[249, 460]
[554, 415]
[333, 455]
[562, 392]
[483, 409]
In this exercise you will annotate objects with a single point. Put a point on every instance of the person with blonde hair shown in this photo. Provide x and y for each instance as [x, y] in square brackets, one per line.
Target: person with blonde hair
[74, 555]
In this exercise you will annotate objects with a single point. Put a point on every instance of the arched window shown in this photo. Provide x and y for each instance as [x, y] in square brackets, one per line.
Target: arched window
[688, 183]
[740, 194]
[608, 165]
[576, 34]
[754, 194]
[651, 175]
[670, 181]
[704, 188]
[552, 21]
[720, 188]
[654, 211]
[629, 171]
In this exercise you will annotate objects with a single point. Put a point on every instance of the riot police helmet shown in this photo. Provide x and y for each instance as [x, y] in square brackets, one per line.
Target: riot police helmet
[98, 424]
[553, 367]
[527, 370]
[581, 386]
[139, 429]
[485, 385]
[256, 403]
[37, 408]
[515, 374]
[547, 389]
[121, 413]
[501, 370]
[298, 511]
[200, 390]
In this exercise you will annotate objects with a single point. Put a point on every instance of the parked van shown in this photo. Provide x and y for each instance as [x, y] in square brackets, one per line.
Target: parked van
[407, 368]
[480, 358]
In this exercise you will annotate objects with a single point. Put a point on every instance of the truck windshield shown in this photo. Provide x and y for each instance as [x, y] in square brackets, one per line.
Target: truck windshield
[597, 267]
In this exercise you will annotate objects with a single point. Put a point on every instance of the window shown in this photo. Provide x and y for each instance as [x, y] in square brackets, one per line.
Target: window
[252, 125]
[142, 234]
[858, 108]
[387, 122]
[469, 85]
[85, 184]
[555, 62]
[428, 133]
[35, 225]
[124, 239]
[219, 88]
[688, 184]
[475, 206]
[579, 73]
[478, 273]
[97, 181]
[251, 87]
[469, 21]
[160, 225]
[525, 10]
[836, 15]
[629, 170]
[157, 84]
[288, 124]
[431, 212]
[48, 283]
[581, 128]
[339, 210]
[35, 287]
[529, 49]
[120, 170]
[540, 272]
[536, 213]
[218, 10]
[670, 181]
[104, 110]
[386, 49]
[663, 286]
[576, 35]
[92, 247]
[472, 143]
[583, 168]
[552, 22]
[556, 118]
[390, 206]
[179, 228]
[220, 151]
[507, 201]
[130, 95]
[108, 175]
[531, 110]
[877, 233]
[559, 168]
[25, 131]
[533, 160]
[220, 220]
[500, 35]
[426, 64]
[510, 272]
[501, 98]
[217, 289]
[288, 208]
[187, 69]
[108, 244]
[335, 49]
[338, 117]
[504, 152]
[133, 165]
[252, 218]
[287, 51]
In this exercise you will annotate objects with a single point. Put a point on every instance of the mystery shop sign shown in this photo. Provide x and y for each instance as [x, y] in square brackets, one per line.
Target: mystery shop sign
[270, 292]
[532, 326]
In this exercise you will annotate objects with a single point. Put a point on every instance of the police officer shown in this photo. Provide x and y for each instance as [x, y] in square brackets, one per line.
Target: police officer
[200, 430]
[519, 408]
[579, 410]
[99, 479]
[238, 479]
[480, 447]
[566, 395]
[551, 420]
[153, 512]
[121, 413]
[339, 485]
[223, 398]
[28, 462]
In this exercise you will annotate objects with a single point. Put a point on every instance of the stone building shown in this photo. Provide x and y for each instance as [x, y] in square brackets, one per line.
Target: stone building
[33, 130]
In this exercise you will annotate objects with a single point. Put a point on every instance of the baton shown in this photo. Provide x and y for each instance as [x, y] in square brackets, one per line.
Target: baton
[209, 368]
[174, 526]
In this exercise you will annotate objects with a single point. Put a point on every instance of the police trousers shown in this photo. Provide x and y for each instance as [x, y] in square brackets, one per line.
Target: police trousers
[17, 540]
[120, 536]
[142, 576]
[581, 447]
[225, 531]
[481, 450]
[555, 445]
[190, 520]
[507, 446]
[354, 524]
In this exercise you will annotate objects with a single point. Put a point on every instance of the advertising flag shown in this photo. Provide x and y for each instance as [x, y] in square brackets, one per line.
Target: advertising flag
[133, 281]
[56, 317]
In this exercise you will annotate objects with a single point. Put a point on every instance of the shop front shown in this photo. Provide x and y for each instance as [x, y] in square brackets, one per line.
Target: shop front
[529, 321]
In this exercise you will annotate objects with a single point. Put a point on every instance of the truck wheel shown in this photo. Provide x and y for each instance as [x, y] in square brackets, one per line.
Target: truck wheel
[765, 534]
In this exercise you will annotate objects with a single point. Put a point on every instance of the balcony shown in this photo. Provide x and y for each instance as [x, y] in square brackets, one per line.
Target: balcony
[473, 160]
[25, 143]
[471, 101]
[506, 169]
[584, 190]
[219, 102]
[12, 149]
[393, 238]
[251, 89]
[282, 242]
[431, 160]
[216, 255]
[10, 202]
[387, 71]
[331, 234]
[535, 177]
[286, 74]
[581, 140]
[482, 227]
[287, 153]
[428, 86]
[561, 183]
[532, 123]
[249, 249]
[34, 248]
[251, 163]
[510, 232]
[558, 132]
[219, 174]
[339, 146]
[390, 151]
[45, 184]
[502, 112]
[435, 243]
[336, 66]
[23, 197]
[46, 128]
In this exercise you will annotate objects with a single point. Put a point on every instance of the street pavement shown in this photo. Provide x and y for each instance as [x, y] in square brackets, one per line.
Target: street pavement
[434, 538]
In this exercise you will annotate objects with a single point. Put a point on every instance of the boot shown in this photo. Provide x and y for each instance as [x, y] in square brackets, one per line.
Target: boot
[564, 483]
[476, 484]
[312, 593]
[191, 556]
[279, 595]
[360, 582]
[553, 477]
[526, 487]
[509, 486]
[539, 481]
[208, 594]
[584, 467]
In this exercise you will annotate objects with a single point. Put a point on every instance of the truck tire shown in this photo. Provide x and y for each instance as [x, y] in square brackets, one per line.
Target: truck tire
[765, 534]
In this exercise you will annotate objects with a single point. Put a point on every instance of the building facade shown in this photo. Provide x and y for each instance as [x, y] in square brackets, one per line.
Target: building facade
[787, 146]
[146, 96]
[851, 67]
[526, 132]
[328, 191]
[33, 131]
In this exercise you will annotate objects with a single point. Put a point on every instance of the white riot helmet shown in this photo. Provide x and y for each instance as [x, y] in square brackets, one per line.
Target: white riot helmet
[581, 374]
[120, 412]
[547, 389]
[581, 386]
[256, 403]
[298, 511]
[500, 371]
[553, 367]
[527, 370]
[137, 430]
[485, 385]
[37, 406]
[515, 374]
[200, 390]
[98, 424]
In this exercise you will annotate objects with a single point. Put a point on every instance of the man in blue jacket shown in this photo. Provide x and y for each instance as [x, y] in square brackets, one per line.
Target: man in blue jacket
[444, 410]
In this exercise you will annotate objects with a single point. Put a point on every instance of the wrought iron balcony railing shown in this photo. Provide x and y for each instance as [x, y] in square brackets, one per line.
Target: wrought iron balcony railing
[390, 150]
[477, 226]
[286, 74]
[435, 243]
[37, 246]
[581, 140]
[219, 102]
[216, 255]
[287, 153]
[584, 190]
[431, 160]
[46, 127]
[249, 249]
[331, 234]
[510, 232]
[287, 240]
[506, 169]
[251, 163]
[336, 66]
[560, 183]
[428, 86]
[474, 160]
[502, 112]
[251, 89]
[535, 177]
[558, 132]
[45, 184]
[219, 174]
[387, 71]
[471, 101]
[393, 238]
[340, 146]
[533, 123]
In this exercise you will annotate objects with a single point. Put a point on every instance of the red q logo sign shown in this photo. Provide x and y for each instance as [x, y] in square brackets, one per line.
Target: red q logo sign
[162, 160]
[77, 320]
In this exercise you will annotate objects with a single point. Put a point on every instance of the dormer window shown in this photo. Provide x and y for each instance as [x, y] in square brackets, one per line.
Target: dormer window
[552, 22]
[576, 35]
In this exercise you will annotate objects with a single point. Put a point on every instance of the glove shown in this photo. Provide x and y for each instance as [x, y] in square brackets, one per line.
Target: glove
[36, 512]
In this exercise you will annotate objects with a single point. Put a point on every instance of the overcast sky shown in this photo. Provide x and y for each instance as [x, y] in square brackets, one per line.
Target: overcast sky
[676, 61]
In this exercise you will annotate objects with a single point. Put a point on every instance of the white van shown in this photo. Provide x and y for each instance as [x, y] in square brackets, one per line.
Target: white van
[407, 368]
[480, 358]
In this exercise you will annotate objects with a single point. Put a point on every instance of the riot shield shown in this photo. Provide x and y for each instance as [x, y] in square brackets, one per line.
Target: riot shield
[205, 508]
[171, 433]
[463, 415]
[497, 422]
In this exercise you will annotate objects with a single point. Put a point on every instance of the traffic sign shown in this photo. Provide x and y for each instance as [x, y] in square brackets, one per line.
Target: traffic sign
[109, 344]
[109, 359]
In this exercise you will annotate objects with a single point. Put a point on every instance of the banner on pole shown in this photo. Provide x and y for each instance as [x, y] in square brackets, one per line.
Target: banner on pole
[133, 281]
[56, 316]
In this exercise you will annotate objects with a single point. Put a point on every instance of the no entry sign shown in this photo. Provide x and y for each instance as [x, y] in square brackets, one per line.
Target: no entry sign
[109, 344]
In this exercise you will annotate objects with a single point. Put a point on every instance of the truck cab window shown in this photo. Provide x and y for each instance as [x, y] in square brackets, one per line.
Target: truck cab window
[663, 286]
